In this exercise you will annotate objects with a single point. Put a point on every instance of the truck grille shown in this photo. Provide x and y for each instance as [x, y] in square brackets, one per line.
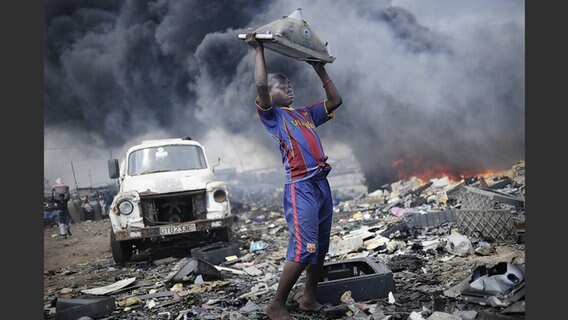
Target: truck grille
[174, 208]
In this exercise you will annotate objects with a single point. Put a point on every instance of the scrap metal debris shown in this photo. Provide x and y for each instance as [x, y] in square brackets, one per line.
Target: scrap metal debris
[442, 267]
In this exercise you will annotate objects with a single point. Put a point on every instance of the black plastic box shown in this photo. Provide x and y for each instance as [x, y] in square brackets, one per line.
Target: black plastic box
[90, 306]
[431, 219]
[364, 277]
[215, 253]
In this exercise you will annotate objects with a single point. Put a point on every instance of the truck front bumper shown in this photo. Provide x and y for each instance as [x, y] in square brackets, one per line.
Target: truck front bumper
[173, 229]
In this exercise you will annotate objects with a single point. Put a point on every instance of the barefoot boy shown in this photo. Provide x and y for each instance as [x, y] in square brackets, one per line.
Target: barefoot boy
[308, 204]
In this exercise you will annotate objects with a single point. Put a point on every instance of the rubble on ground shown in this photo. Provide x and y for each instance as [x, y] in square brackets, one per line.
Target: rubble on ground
[455, 250]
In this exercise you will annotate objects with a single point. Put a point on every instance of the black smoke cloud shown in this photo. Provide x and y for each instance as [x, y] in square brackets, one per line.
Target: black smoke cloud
[450, 94]
[120, 69]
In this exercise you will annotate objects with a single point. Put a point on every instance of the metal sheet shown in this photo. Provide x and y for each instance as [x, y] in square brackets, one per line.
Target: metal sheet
[292, 36]
[110, 288]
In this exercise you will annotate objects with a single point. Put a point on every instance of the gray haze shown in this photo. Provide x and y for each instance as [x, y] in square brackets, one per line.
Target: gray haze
[425, 84]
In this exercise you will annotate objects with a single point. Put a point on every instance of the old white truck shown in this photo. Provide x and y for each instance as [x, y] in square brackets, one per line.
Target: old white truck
[168, 196]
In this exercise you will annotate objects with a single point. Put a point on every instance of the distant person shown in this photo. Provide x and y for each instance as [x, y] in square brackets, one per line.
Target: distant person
[63, 216]
[107, 202]
[308, 205]
[88, 209]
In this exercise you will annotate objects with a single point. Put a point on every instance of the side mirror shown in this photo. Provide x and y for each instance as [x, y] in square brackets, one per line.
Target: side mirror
[218, 163]
[113, 169]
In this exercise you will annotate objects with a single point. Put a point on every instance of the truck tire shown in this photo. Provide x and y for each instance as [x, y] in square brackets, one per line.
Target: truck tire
[121, 250]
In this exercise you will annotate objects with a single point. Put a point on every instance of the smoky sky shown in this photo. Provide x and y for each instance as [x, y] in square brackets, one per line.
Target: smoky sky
[425, 84]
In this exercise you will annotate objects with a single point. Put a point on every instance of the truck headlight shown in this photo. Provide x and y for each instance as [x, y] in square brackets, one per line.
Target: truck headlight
[125, 207]
[220, 195]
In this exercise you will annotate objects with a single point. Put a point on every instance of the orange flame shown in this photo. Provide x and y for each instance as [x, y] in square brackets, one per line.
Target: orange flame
[415, 167]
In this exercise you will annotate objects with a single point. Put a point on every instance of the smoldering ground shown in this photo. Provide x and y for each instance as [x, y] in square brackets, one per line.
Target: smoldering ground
[424, 85]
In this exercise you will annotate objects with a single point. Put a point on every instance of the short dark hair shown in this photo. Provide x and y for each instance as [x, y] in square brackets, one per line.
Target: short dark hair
[274, 78]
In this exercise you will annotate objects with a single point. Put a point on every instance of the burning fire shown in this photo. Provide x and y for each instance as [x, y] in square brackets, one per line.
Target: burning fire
[416, 167]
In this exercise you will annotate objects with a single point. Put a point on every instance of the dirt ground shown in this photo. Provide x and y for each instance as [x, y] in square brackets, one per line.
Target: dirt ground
[84, 260]
[88, 243]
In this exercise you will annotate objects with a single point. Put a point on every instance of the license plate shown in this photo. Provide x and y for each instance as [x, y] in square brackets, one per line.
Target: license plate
[177, 229]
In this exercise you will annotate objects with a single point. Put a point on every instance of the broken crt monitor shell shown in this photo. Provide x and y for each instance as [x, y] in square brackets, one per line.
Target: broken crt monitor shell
[292, 36]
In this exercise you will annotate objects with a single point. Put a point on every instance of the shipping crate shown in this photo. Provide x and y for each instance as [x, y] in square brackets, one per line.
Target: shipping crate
[484, 199]
[492, 225]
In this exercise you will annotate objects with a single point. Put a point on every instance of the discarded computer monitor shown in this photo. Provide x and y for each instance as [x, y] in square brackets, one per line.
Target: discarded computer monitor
[292, 36]
[365, 278]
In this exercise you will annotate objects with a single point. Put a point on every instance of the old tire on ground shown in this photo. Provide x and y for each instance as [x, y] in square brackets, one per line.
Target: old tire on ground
[121, 250]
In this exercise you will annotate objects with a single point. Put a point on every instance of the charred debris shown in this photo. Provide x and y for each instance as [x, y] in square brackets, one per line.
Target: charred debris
[410, 250]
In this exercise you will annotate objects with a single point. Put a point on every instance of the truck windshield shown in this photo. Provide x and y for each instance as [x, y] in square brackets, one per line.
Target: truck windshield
[166, 158]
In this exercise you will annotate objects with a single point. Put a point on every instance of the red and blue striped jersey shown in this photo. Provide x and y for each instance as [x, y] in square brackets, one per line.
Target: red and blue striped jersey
[294, 130]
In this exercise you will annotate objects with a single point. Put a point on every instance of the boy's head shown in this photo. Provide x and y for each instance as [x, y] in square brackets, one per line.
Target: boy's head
[280, 90]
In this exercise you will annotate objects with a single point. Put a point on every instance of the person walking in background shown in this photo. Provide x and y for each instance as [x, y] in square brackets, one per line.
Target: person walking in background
[107, 201]
[88, 209]
[63, 215]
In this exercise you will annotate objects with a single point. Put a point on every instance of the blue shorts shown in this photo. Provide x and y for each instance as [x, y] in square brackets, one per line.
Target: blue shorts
[308, 208]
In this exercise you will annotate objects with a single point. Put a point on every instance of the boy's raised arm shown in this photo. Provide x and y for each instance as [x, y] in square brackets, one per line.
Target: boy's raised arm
[333, 98]
[260, 74]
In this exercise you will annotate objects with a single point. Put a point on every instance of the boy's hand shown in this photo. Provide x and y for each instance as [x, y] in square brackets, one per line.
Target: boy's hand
[317, 65]
[251, 40]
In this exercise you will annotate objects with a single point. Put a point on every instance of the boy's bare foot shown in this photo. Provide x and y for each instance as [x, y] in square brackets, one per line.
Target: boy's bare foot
[309, 305]
[277, 311]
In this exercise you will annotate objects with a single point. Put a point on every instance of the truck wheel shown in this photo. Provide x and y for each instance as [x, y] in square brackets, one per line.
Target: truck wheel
[121, 250]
